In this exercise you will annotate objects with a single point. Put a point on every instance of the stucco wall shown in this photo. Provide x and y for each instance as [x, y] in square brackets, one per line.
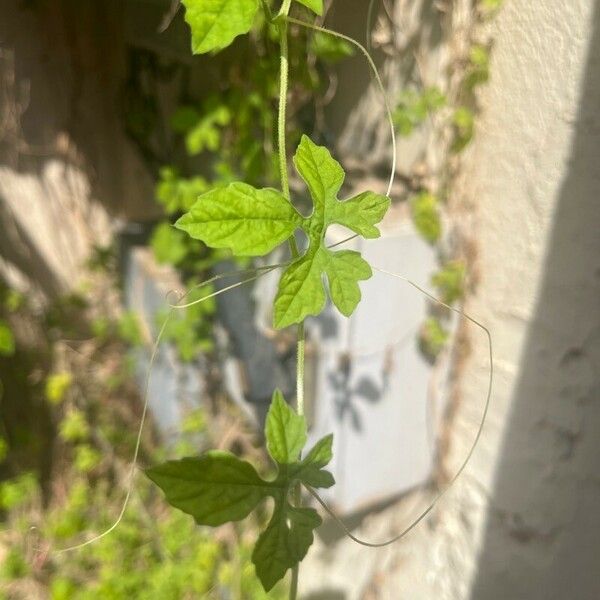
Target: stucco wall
[523, 521]
[534, 171]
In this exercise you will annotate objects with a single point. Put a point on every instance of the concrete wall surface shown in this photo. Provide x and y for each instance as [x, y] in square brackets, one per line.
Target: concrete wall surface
[536, 173]
[523, 522]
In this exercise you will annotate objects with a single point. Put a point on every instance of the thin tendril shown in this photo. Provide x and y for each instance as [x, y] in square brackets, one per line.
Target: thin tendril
[132, 471]
[266, 270]
[214, 278]
[345, 240]
[131, 476]
[388, 110]
[379, 84]
[466, 460]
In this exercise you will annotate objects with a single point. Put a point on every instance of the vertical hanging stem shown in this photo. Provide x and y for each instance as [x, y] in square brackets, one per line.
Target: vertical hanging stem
[285, 187]
[283, 89]
[281, 118]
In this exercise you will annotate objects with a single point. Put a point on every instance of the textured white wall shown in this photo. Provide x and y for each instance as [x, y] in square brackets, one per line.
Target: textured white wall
[523, 521]
[534, 176]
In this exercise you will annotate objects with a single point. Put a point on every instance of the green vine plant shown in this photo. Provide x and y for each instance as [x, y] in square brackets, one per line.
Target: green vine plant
[249, 221]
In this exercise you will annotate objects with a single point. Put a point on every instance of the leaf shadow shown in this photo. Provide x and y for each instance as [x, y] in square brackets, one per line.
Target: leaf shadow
[346, 393]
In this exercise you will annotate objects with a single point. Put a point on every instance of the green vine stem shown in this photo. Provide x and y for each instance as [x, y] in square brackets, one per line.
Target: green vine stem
[285, 188]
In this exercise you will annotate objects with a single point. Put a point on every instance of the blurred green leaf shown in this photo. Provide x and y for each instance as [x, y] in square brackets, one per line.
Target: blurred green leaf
[18, 491]
[100, 327]
[87, 458]
[168, 244]
[205, 134]
[184, 118]
[129, 329]
[14, 300]
[74, 427]
[57, 385]
[449, 280]
[492, 5]
[7, 340]
[464, 125]
[414, 107]
[426, 216]
[177, 194]
[478, 71]
[433, 337]
[14, 566]
[62, 588]
[194, 422]
[3, 449]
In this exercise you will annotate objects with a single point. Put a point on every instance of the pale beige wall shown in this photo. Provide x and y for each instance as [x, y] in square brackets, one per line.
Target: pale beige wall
[522, 523]
[534, 173]
[65, 161]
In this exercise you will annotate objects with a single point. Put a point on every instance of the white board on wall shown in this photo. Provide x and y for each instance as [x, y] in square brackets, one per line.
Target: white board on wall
[371, 384]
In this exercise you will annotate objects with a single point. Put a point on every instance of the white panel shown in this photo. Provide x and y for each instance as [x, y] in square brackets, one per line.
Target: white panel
[372, 384]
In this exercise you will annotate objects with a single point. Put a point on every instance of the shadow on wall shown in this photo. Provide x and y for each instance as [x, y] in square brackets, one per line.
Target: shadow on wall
[68, 93]
[543, 535]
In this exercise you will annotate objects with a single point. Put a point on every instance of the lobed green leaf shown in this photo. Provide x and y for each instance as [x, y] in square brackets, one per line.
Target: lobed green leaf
[344, 270]
[249, 221]
[284, 543]
[301, 292]
[322, 174]
[252, 222]
[216, 23]
[215, 488]
[310, 471]
[285, 431]
[361, 213]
